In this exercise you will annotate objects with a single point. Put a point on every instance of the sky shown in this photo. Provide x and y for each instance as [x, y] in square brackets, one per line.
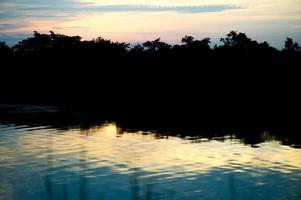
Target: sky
[137, 21]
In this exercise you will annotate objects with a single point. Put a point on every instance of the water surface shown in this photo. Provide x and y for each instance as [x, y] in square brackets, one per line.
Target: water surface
[105, 162]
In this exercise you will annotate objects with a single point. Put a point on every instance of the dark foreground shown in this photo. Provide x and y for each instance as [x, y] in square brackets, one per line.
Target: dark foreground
[239, 84]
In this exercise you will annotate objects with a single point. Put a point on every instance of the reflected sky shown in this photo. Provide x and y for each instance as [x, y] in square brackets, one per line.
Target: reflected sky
[105, 163]
[136, 20]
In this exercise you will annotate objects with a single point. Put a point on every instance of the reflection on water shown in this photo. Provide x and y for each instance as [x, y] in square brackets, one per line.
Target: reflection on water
[105, 163]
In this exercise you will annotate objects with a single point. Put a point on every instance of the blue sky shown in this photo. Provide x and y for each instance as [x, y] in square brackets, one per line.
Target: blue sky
[136, 20]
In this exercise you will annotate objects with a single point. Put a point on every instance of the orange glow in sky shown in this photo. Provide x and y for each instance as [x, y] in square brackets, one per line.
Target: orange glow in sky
[136, 20]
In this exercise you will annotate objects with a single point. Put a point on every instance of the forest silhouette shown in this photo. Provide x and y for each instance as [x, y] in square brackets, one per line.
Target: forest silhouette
[239, 81]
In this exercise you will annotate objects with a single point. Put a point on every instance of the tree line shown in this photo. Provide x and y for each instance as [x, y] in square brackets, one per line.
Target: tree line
[239, 83]
[233, 42]
[67, 69]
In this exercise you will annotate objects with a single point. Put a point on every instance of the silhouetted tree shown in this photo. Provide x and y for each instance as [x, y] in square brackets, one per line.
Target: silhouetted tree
[5, 52]
[265, 44]
[64, 41]
[156, 46]
[38, 42]
[240, 43]
[4, 48]
[138, 48]
[108, 46]
[201, 44]
[187, 40]
[197, 45]
[236, 40]
[290, 45]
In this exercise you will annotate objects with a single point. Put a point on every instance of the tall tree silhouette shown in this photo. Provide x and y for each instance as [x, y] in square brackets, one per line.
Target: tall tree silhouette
[4, 49]
[190, 42]
[156, 45]
[187, 40]
[290, 45]
[236, 40]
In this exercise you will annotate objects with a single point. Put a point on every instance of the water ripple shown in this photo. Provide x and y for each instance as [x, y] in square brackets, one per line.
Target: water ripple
[41, 162]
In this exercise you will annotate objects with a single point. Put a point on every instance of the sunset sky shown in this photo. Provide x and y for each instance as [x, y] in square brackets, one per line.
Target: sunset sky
[136, 20]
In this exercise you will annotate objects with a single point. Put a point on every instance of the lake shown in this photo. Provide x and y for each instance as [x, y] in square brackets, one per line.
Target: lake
[104, 161]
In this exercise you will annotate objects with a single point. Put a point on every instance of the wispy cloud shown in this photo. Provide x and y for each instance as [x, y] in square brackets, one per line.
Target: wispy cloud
[179, 9]
[50, 10]
[158, 8]
[6, 26]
